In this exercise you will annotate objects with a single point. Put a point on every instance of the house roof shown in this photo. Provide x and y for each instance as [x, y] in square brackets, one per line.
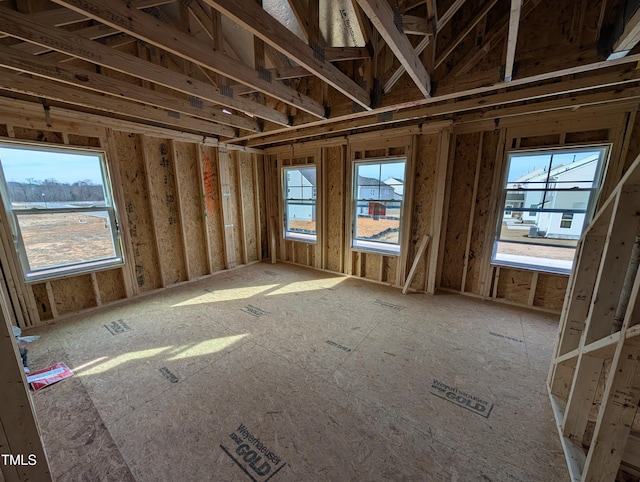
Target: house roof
[268, 75]
[540, 175]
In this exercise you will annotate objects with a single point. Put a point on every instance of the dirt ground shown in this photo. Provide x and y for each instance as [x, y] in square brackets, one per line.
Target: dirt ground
[55, 239]
[549, 252]
[367, 227]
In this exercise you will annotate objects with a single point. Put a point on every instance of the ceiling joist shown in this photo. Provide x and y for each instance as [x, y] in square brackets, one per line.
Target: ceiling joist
[149, 29]
[24, 28]
[85, 79]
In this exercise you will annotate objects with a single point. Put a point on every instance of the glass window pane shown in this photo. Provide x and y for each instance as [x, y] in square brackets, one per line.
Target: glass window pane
[301, 217]
[378, 221]
[66, 238]
[46, 179]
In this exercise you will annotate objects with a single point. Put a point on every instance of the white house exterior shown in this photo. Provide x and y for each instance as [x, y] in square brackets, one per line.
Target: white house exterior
[372, 189]
[301, 188]
[397, 185]
[575, 180]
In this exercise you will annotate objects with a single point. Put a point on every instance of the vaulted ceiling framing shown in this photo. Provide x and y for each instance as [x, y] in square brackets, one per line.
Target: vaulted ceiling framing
[264, 72]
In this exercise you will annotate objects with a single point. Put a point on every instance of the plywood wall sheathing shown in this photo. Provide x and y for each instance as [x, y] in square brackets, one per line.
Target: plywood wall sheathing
[335, 181]
[73, 294]
[423, 200]
[191, 204]
[250, 212]
[128, 151]
[42, 301]
[514, 285]
[163, 201]
[461, 189]
[213, 208]
[228, 203]
[549, 292]
[111, 285]
[482, 209]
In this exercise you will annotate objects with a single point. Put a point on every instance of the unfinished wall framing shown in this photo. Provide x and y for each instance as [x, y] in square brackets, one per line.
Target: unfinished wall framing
[426, 161]
[176, 198]
[595, 374]
[474, 189]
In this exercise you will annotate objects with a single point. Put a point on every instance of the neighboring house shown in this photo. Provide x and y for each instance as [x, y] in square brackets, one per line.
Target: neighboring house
[301, 187]
[371, 188]
[398, 187]
[574, 176]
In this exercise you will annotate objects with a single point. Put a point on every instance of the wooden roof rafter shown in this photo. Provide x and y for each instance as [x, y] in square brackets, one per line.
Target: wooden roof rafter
[382, 17]
[146, 27]
[257, 21]
[21, 26]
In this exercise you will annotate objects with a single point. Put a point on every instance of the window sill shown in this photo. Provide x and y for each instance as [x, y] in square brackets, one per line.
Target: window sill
[67, 271]
[559, 267]
[303, 238]
[375, 248]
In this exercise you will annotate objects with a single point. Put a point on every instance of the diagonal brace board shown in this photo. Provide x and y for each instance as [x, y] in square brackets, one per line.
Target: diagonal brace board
[381, 15]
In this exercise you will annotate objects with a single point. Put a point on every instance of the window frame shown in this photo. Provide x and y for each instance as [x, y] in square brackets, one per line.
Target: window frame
[74, 268]
[589, 210]
[377, 247]
[285, 177]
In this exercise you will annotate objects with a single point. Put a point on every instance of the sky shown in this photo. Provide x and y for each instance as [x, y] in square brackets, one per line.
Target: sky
[20, 164]
[392, 169]
[523, 164]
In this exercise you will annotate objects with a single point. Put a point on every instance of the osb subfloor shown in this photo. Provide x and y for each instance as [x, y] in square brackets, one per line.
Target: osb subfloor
[275, 372]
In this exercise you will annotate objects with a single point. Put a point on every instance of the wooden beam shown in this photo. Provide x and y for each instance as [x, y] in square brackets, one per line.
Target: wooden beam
[23, 27]
[382, 17]
[425, 41]
[149, 29]
[19, 432]
[124, 90]
[299, 9]
[59, 17]
[412, 25]
[629, 38]
[437, 106]
[470, 26]
[512, 39]
[257, 21]
[416, 261]
[43, 88]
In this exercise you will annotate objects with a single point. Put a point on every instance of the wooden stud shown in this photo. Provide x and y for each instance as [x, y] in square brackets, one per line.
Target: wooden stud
[472, 212]
[256, 205]
[240, 203]
[96, 289]
[228, 242]
[147, 168]
[203, 211]
[496, 279]
[486, 270]
[181, 198]
[444, 171]
[52, 300]
[532, 288]
[128, 270]
[410, 150]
